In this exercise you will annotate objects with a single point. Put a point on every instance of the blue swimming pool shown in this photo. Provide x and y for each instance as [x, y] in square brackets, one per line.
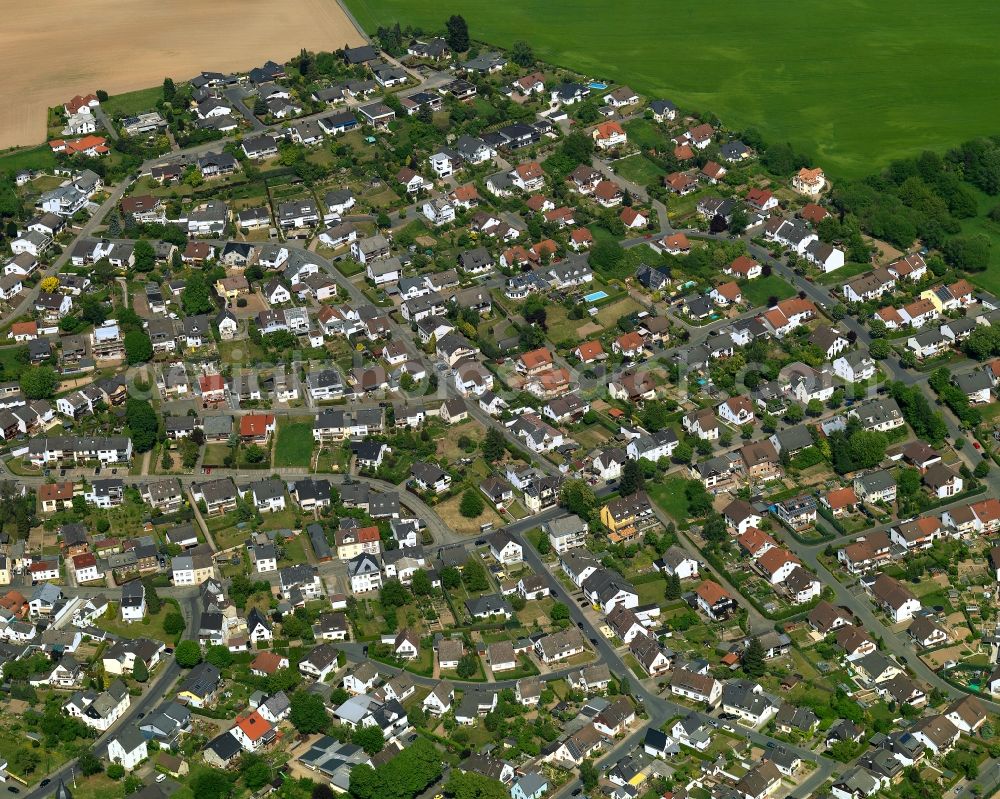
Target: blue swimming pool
[594, 296]
[596, 84]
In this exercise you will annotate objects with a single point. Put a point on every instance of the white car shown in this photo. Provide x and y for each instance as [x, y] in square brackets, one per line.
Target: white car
[161, 777]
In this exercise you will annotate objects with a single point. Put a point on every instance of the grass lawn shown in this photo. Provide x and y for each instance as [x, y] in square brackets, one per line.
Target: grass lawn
[215, 454]
[332, 459]
[230, 536]
[99, 786]
[525, 668]
[295, 550]
[295, 443]
[638, 169]
[40, 157]
[10, 365]
[633, 664]
[669, 495]
[479, 676]
[821, 100]
[150, 627]
[241, 351]
[757, 292]
[423, 664]
[842, 275]
[131, 103]
[281, 519]
[536, 610]
[449, 513]
[646, 133]
[610, 314]
[652, 592]
[560, 327]
[125, 520]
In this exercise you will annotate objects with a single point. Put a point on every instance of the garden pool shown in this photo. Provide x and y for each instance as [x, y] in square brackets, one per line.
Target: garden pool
[594, 296]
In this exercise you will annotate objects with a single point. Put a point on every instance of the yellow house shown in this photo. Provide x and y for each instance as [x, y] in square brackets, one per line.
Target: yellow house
[931, 296]
[627, 517]
[351, 543]
[619, 518]
[229, 288]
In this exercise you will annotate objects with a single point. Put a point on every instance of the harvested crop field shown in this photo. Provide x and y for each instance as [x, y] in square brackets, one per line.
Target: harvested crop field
[122, 46]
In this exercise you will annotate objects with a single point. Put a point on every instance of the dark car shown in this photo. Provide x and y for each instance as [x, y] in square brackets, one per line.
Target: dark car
[13, 789]
[577, 792]
[593, 641]
[45, 782]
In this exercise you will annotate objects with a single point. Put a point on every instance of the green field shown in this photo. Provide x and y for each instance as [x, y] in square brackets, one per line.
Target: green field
[842, 275]
[757, 292]
[668, 493]
[639, 170]
[295, 444]
[131, 103]
[854, 85]
[40, 157]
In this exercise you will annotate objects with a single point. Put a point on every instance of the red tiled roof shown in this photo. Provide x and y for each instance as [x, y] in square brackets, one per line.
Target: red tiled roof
[607, 130]
[841, 498]
[24, 328]
[590, 350]
[813, 213]
[775, 558]
[630, 341]
[466, 193]
[267, 662]
[629, 215]
[538, 357]
[53, 491]
[529, 170]
[606, 190]
[84, 560]
[711, 592]
[677, 241]
[729, 290]
[683, 152]
[211, 383]
[254, 726]
[754, 540]
[255, 424]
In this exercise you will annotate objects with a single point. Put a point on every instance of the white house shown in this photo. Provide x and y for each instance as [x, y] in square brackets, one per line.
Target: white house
[505, 549]
[128, 748]
[677, 561]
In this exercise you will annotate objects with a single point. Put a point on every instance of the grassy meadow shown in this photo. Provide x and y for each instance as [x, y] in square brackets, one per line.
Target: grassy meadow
[853, 84]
